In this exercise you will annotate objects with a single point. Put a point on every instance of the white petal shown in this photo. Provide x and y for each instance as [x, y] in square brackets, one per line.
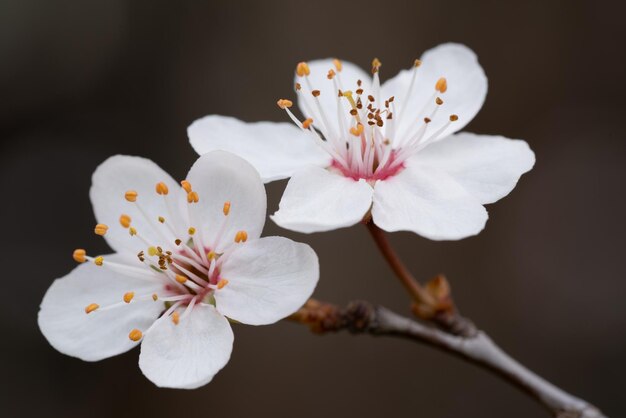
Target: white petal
[187, 355]
[429, 202]
[467, 88]
[111, 180]
[488, 167]
[102, 333]
[268, 279]
[220, 177]
[276, 150]
[318, 200]
[318, 80]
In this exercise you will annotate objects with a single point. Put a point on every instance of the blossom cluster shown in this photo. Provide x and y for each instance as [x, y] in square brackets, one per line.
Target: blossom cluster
[188, 256]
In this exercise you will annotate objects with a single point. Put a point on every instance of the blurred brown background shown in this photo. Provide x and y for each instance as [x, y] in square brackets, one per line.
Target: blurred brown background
[82, 80]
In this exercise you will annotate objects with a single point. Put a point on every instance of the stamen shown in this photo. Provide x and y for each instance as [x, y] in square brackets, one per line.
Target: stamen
[155, 297]
[376, 64]
[337, 64]
[438, 101]
[175, 317]
[358, 130]
[101, 229]
[132, 231]
[186, 185]
[191, 230]
[417, 63]
[226, 208]
[284, 103]
[98, 261]
[181, 279]
[307, 123]
[128, 296]
[125, 221]
[222, 283]
[135, 335]
[161, 188]
[79, 255]
[331, 74]
[161, 219]
[131, 195]
[316, 93]
[211, 255]
[303, 69]
[193, 197]
[91, 307]
[441, 85]
[454, 118]
[241, 236]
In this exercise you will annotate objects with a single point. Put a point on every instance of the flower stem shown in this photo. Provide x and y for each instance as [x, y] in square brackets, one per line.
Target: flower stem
[417, 292]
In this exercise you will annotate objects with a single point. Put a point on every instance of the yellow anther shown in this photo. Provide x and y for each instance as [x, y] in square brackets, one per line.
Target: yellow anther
[98, 261]
[358, 130]
[132, 231]
[441, 85]
[161, 219]
[303, 69]
[191, 230]
[125, 221]
[222, 283]
[181, 279]
[284, 103]
[337, 64]
[155, 297]
[101, 229]
[226, 208]
[417, 63]
[211, 255]
[175, 317]
[376, 64]
[152, 251]
[135, 335]
[128, 296]
[161, 188]
[79, 255]
[438, 101]
[331, 74]
[192, 197]
[131, 195]
[186, 185]
[307, 123]
[91, 307]
[454, 118]
[241, 236]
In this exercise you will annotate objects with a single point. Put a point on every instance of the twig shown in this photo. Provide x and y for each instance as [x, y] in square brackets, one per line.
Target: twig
[364, 318]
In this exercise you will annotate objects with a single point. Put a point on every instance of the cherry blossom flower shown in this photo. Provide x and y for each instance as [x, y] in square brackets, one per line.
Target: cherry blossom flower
[186, 259]
[389, 151]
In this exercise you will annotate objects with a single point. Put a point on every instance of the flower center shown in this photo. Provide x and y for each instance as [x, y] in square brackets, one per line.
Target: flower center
[366, 142]
[186, 271]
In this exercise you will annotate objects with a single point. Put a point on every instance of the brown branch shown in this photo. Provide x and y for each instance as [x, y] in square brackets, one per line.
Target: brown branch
[479, 349]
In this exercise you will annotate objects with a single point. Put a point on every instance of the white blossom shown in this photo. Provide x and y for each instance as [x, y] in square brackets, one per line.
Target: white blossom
[186, 259]
[390, 151]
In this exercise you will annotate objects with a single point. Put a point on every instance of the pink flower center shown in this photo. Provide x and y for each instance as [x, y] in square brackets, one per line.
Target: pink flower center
[363, 132]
